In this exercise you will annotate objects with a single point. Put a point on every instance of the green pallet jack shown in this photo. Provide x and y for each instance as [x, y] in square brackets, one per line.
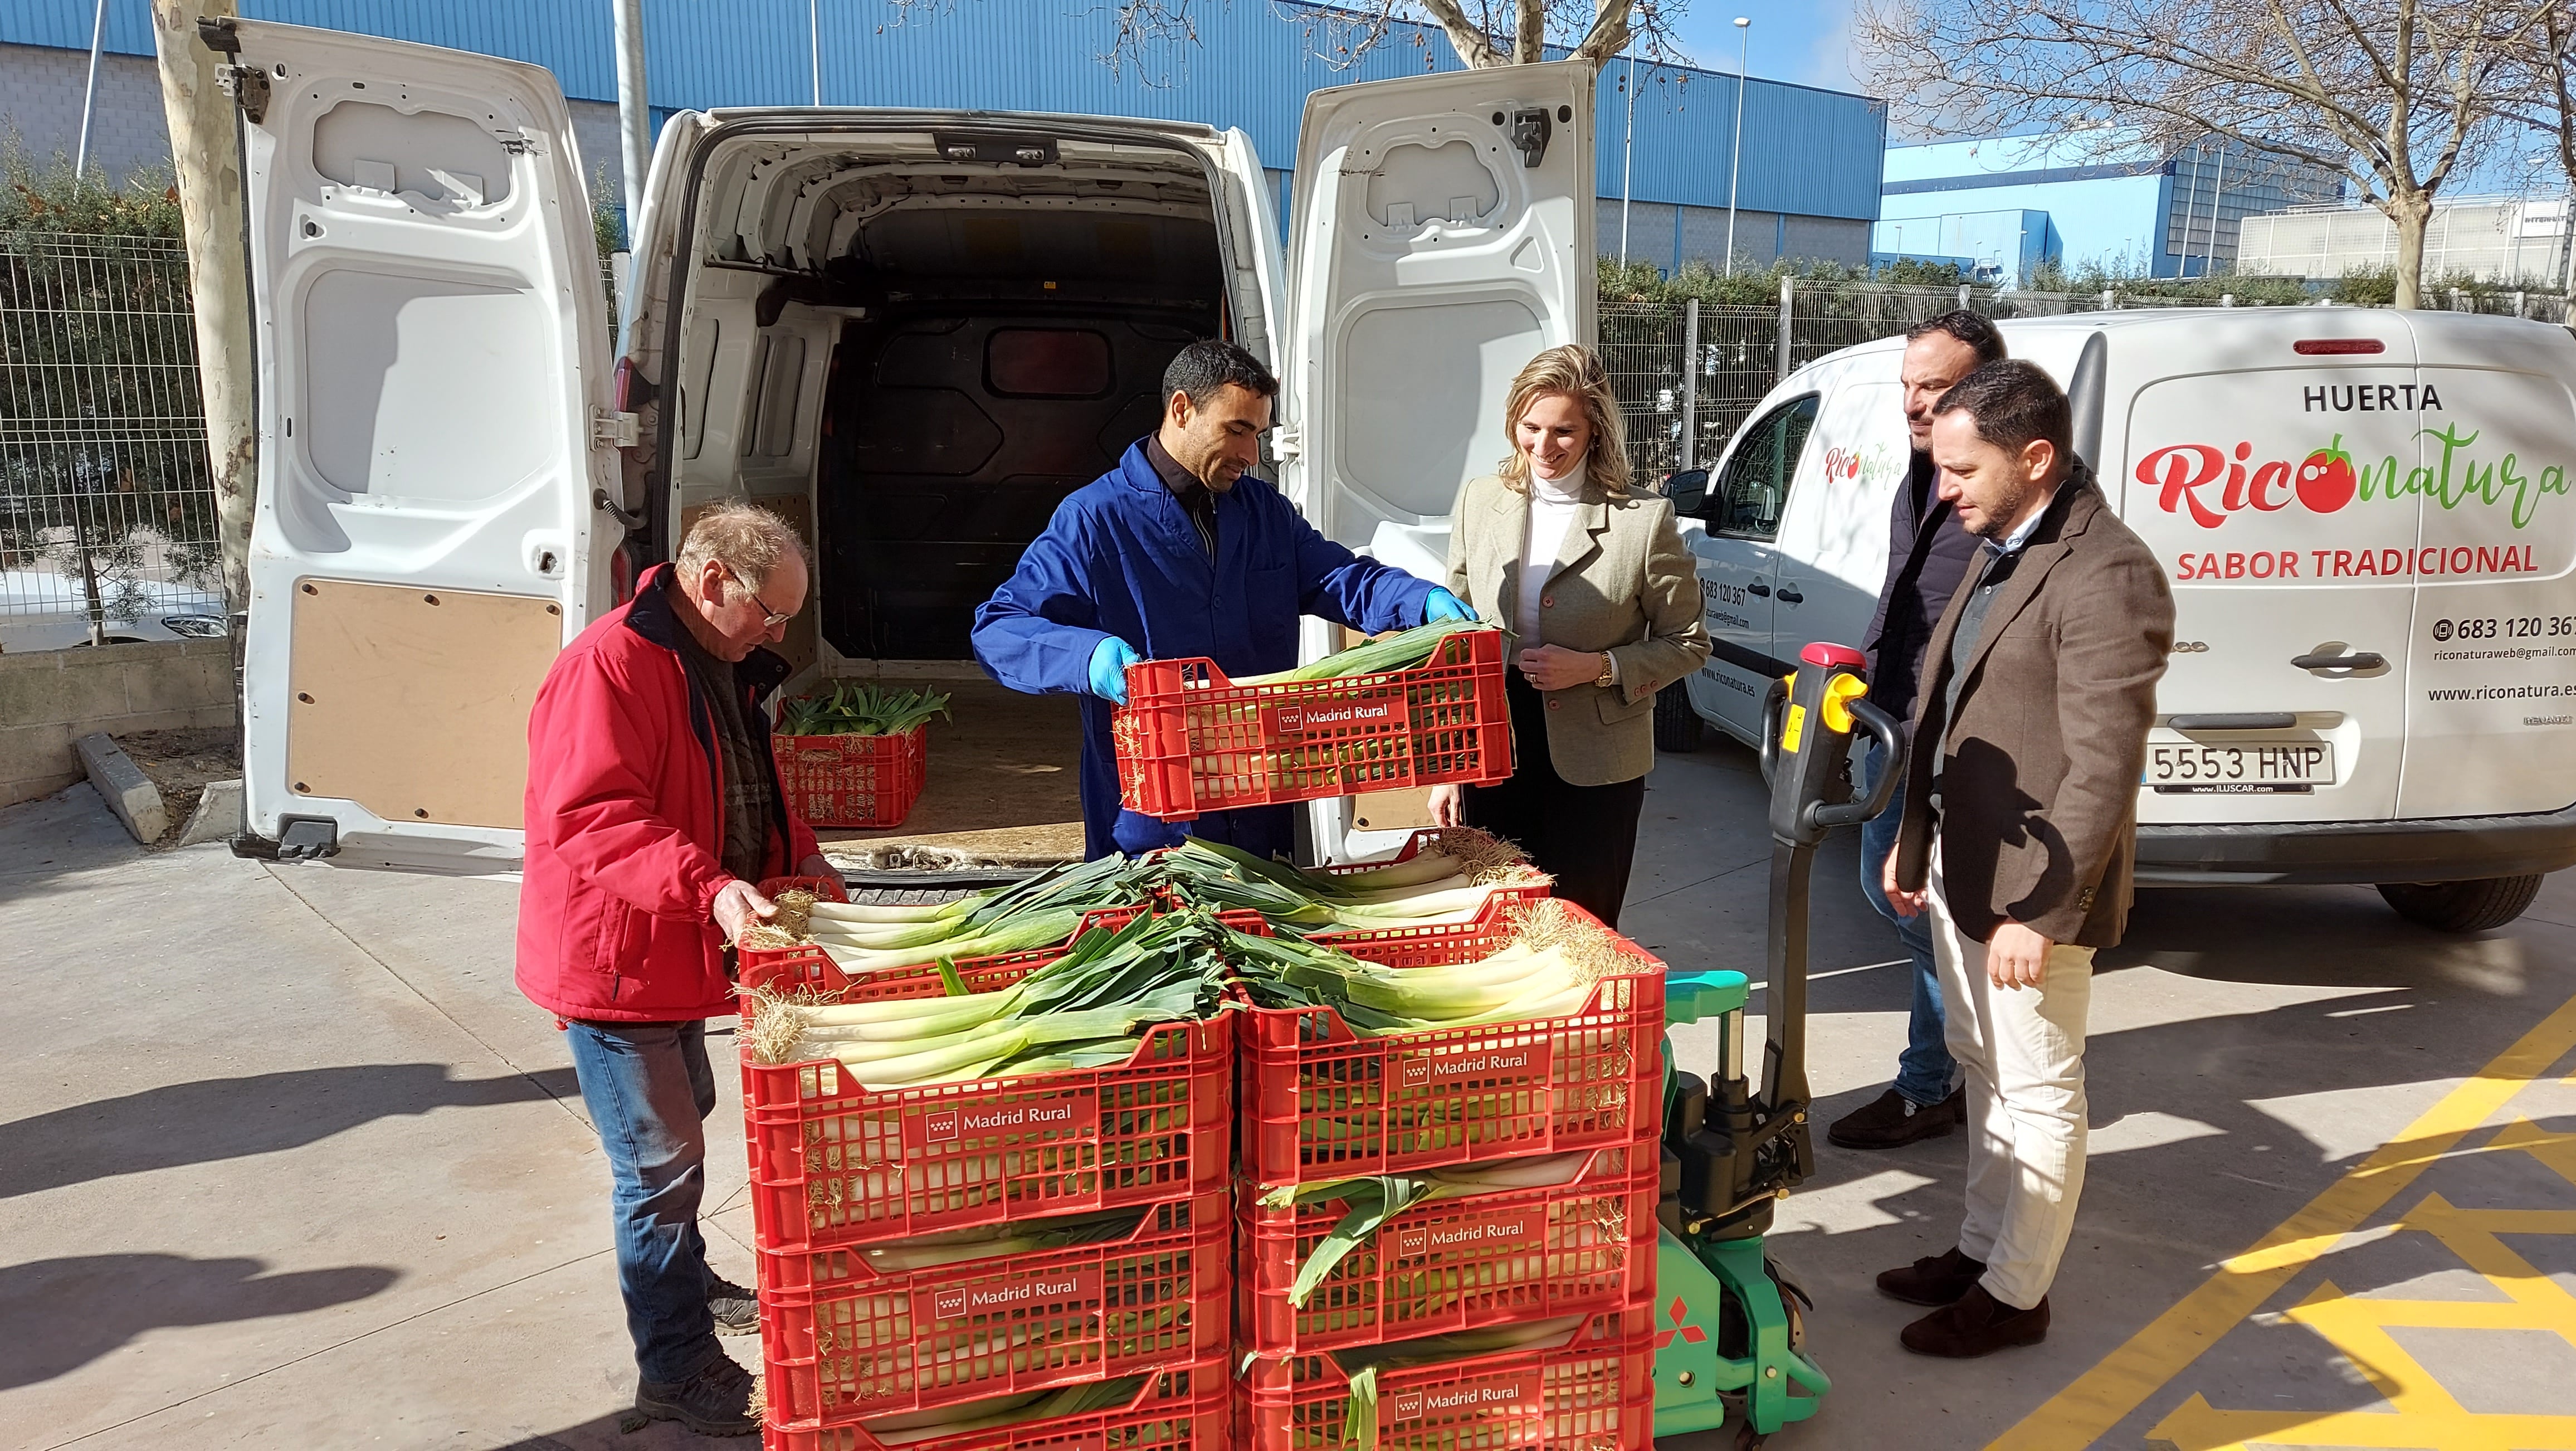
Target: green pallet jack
[1731, 1346]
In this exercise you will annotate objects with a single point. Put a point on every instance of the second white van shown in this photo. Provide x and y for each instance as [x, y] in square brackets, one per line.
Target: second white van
[2365, 516]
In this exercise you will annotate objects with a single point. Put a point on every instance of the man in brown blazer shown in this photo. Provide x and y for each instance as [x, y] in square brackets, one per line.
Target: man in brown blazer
[2021, 797]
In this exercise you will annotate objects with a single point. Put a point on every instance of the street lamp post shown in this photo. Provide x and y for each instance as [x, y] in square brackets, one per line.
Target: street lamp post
[1628, 153]
[814, 42]
[1735, 168]
[89, 93]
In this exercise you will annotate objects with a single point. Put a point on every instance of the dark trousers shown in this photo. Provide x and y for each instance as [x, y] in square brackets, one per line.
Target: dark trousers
[1584, 836]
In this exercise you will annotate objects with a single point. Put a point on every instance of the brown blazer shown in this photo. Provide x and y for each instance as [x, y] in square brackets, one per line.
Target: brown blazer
[2039, 796]
[1622, 582]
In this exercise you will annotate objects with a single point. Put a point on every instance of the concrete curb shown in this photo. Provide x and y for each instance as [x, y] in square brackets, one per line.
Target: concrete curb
[218, 816]
[130, 793]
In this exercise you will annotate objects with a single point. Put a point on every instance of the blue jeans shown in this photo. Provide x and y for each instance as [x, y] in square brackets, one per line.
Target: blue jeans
[649, 1090]
[1925, 1070]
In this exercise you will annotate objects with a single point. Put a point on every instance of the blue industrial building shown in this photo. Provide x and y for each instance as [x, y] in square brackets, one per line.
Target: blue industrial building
[2012, 204]
[1811, 158]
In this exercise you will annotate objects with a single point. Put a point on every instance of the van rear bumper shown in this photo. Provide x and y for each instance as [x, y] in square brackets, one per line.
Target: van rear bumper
[2431, 849]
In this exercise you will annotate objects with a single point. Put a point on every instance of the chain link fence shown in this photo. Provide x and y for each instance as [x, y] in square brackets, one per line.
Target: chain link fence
[107, 515]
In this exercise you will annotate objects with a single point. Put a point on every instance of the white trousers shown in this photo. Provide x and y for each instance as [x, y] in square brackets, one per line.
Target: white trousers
[2022, 1050]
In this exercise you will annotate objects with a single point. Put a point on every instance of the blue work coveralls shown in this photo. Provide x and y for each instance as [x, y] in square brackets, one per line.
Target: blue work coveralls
[1122, 558]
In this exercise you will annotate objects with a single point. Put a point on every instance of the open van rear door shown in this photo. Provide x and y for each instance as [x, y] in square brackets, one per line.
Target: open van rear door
[432, 337]
[1443, 234]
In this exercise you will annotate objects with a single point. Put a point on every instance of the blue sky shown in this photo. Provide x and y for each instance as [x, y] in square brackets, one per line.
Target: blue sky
[1807, 41]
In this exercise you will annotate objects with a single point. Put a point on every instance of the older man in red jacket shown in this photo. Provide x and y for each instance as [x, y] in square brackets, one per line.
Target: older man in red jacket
[653, 809]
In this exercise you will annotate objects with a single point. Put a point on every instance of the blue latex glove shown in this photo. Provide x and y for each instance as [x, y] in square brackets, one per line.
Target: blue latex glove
[1442, 605]
[1109, 661]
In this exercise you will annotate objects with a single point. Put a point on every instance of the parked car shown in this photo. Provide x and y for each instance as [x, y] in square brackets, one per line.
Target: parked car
[2365, 516]
[33, 616]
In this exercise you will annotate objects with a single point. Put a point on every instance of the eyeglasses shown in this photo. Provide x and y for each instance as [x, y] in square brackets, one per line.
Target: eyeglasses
[771, 618]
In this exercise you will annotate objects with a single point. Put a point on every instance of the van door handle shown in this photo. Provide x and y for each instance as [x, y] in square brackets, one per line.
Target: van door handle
[1758, 588]
[2357, 660]
[1789, 595]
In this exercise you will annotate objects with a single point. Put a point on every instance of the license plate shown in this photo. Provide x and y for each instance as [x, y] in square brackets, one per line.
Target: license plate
[2179, 768]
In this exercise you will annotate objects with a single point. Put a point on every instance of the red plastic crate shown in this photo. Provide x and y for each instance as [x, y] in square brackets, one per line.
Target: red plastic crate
[1189, 740]
[1322, 1102]
[1594, 1391]
[834, 1163]
[853, 781]
[845, 1342]
[1499, 1258]
[1182, 1408]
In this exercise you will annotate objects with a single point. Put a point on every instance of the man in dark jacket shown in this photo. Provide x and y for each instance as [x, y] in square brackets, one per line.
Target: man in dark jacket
[2021, 798]
[1180, 551]
[1927, 554]
[653, 811]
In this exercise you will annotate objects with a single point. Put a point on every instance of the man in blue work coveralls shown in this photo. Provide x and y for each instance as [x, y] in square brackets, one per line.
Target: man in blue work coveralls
[1180, 552]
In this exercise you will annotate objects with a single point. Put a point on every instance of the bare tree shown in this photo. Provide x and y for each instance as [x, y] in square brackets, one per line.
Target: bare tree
[2395, 95]
[1482, 33]
[2543, 99]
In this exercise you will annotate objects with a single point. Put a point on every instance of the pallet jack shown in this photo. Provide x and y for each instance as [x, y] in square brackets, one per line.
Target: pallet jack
[1731, 1348]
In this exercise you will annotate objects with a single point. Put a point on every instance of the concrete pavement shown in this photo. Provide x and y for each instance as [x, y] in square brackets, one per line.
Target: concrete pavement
[285, 1161]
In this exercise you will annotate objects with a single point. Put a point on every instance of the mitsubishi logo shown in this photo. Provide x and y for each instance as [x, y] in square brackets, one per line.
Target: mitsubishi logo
[1678, 1314]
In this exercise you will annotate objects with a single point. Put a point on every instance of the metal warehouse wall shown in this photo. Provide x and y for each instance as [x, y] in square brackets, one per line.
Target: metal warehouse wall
[1809, 152]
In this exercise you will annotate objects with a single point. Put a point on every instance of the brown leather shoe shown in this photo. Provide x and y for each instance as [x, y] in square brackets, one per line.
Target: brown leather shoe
[1891, 1120]
[1977, 1324]
[1932, 1280]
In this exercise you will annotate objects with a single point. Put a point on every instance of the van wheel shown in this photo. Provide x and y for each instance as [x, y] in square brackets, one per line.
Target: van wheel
[2476, 906]
[1677, 726]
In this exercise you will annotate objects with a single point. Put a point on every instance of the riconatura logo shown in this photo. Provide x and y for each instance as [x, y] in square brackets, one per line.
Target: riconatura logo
[2208, 485]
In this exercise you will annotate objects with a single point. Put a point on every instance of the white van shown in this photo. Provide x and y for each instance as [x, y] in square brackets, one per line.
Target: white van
[2365, 516]
[910, 332]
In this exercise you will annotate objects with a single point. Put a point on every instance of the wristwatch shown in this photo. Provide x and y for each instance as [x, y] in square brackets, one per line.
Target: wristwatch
[1609, 675]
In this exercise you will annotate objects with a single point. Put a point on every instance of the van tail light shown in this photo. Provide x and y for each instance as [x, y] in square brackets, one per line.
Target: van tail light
[2336, 347]
[621, 574]
[634, 390]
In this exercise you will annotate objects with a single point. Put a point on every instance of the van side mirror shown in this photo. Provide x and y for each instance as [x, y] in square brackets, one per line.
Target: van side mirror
[1688, 490]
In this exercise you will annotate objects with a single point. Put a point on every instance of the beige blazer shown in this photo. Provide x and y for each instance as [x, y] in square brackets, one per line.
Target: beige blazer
[1623, 582]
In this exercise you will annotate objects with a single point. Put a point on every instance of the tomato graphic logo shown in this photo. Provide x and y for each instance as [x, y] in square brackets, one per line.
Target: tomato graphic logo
[2325, 480]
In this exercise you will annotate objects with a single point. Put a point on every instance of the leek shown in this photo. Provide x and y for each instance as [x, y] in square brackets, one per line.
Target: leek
[1405, 650]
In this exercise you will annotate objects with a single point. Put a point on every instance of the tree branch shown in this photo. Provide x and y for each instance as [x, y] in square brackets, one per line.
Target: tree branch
[1609, 33]
[1475, 48]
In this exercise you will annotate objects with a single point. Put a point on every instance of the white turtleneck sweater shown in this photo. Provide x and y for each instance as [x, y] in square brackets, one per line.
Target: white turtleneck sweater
[1552, 503]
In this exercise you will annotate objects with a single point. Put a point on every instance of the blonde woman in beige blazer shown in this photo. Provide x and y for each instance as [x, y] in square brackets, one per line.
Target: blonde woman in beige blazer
[1602, 607]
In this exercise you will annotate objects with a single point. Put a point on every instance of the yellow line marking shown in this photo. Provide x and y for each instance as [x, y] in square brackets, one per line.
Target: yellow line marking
[2102, 1397]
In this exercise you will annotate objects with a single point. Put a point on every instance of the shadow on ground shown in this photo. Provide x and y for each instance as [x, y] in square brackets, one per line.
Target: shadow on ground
[230, 1118]
[58, 1315]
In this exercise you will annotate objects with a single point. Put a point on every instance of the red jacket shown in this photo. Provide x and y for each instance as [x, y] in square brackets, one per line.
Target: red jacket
[625, 825]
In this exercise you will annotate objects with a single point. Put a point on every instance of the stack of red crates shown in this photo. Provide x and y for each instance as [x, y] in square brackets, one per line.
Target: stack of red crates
[1321, 1103]
[837, 1168]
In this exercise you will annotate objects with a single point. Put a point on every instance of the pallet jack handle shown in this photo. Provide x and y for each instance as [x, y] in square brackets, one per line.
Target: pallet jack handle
[1808, 752]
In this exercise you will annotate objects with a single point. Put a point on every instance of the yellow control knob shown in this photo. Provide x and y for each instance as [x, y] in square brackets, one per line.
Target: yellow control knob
[1836, 709]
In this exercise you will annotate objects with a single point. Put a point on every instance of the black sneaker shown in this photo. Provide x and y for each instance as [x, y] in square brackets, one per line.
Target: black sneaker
[736, 1309]
[1892, 1120]
[717, 1401]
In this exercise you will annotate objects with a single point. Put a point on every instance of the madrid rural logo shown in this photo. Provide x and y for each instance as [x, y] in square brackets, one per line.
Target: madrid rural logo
[2209, 486]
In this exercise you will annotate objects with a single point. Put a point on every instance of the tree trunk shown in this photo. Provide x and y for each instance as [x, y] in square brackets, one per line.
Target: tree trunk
[2410, 210]
[205, 153]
